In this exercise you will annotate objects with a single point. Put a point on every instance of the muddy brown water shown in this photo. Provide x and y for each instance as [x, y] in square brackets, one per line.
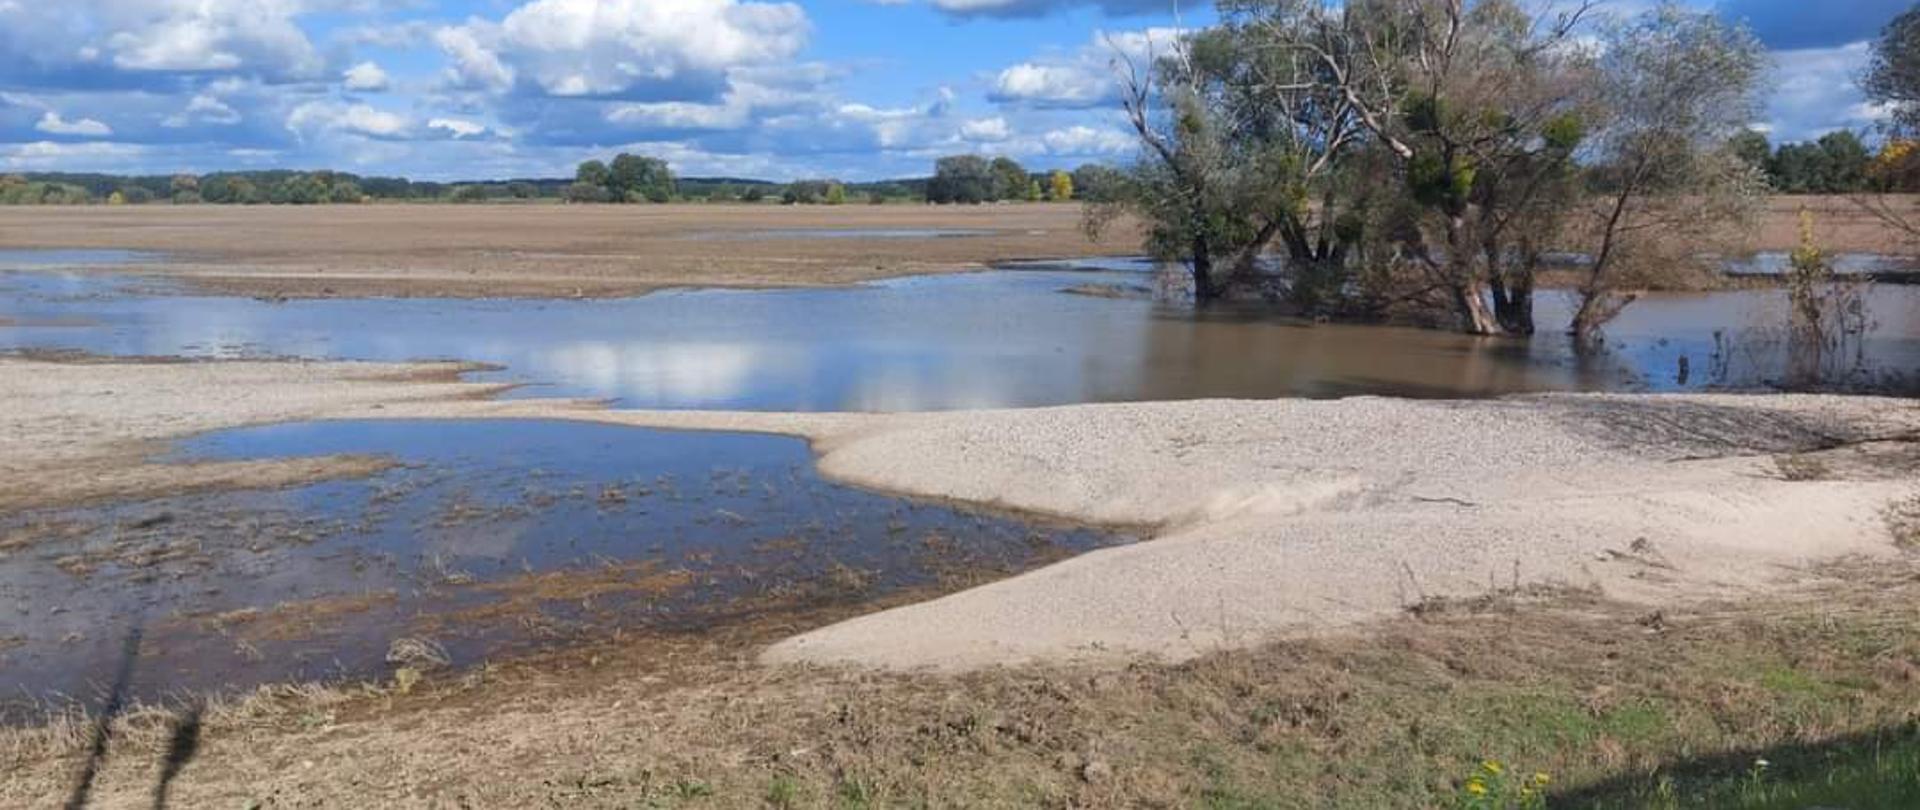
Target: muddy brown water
[490, 539]
[1003, 338]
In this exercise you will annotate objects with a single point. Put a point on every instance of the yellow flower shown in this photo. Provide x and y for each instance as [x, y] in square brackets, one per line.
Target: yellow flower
[1476, 787]
[1541, 778]
[1492, 766]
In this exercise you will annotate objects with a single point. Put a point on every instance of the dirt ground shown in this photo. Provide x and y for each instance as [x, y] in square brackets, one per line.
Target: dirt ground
[1801, 699]
[552, 250]
[555, 250]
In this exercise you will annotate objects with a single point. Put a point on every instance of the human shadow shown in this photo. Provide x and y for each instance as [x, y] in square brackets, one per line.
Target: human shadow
[102, 731]
[1873, 769]
[182, 744]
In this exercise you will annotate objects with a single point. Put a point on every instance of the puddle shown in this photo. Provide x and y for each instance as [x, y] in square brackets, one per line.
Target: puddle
[494, 538]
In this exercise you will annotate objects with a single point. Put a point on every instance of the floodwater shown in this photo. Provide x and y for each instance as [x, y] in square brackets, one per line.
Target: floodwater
[1003, 338]
[492, 538]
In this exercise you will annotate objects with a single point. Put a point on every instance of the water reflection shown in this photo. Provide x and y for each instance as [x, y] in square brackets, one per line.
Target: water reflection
[1004, 338]
[491, 538]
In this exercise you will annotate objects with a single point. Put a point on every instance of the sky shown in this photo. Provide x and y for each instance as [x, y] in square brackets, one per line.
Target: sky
[479, 89]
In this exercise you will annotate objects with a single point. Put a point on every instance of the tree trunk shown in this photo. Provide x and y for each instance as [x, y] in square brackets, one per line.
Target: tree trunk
[1468, 303]
[1203, 288]
[1514, 307]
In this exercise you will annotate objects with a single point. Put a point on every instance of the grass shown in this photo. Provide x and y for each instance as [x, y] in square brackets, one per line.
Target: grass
[1614, 711]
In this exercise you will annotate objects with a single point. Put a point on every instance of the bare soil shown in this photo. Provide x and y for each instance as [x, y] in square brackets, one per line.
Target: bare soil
[553, 250]
[596, 251]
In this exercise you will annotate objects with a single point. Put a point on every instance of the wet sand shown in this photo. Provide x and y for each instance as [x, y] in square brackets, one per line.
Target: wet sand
[555, 250]
[1272, 517]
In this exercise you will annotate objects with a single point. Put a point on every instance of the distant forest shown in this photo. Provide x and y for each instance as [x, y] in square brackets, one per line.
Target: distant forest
[289, 187]
[1837, 163]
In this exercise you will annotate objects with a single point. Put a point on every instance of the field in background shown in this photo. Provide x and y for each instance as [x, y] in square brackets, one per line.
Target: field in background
[557, 250]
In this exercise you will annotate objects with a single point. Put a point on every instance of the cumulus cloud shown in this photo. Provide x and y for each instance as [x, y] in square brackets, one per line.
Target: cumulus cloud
[1041, 8]
[457, 127]
[1087, 77]
[320, 117]
[637, 49]
[1813, 92]
[365, 77]
[203, 109]
[1085, 140]
[53, 124]
[87, 156]
[986, 129]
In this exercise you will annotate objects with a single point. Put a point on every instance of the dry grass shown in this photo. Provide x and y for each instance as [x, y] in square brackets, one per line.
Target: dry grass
[1606, 698]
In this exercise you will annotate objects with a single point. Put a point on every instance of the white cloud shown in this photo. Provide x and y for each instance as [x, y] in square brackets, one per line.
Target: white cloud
[1088, 77]
[457, 127]
[1813, 91]
[358, 119]
[203, 109]
[474, 65]
[365, 77]
[52, 124]
[985, 129]
[620, 47]
[1085, 140]
[88, 156]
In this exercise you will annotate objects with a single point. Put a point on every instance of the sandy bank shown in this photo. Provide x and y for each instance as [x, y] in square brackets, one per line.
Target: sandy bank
[1303, 516]
[80, 430]
[1270, 517]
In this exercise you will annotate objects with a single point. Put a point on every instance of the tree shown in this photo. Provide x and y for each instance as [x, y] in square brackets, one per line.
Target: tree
[592, 173]
[1893, 72]
[1010, 179]
[472, 193]
[836, 194]
[1096, 182]
[522, 190]
[584, 192]
[1673, 160]
[961, 179]
[1753, 149]
[634, 178]
[1059, 186]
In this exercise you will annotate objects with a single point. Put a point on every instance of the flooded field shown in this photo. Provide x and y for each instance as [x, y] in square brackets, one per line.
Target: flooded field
[487, 539]
[1004, 338]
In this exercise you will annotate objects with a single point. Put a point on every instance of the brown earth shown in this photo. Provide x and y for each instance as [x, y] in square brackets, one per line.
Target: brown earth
[556, 250]
[551, 250]
[1614, 705]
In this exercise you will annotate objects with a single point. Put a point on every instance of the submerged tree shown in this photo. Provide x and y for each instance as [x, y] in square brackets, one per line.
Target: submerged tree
[1673, 172]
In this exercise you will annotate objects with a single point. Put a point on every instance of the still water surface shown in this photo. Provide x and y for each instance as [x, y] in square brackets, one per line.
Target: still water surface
[491, 538]
[1002, 338]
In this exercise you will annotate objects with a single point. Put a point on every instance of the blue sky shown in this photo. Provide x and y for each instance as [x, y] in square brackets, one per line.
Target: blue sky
[855, 89]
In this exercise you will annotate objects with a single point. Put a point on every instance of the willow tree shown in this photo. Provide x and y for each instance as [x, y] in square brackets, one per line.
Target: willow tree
[1678, 88]
[1244, 140]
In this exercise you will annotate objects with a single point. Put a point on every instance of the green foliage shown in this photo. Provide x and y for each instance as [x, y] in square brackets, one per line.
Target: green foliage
[1837, 163]
[592, 173]
[962, 179]
[1010, 179]
[639, 179]
[1095, 182]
